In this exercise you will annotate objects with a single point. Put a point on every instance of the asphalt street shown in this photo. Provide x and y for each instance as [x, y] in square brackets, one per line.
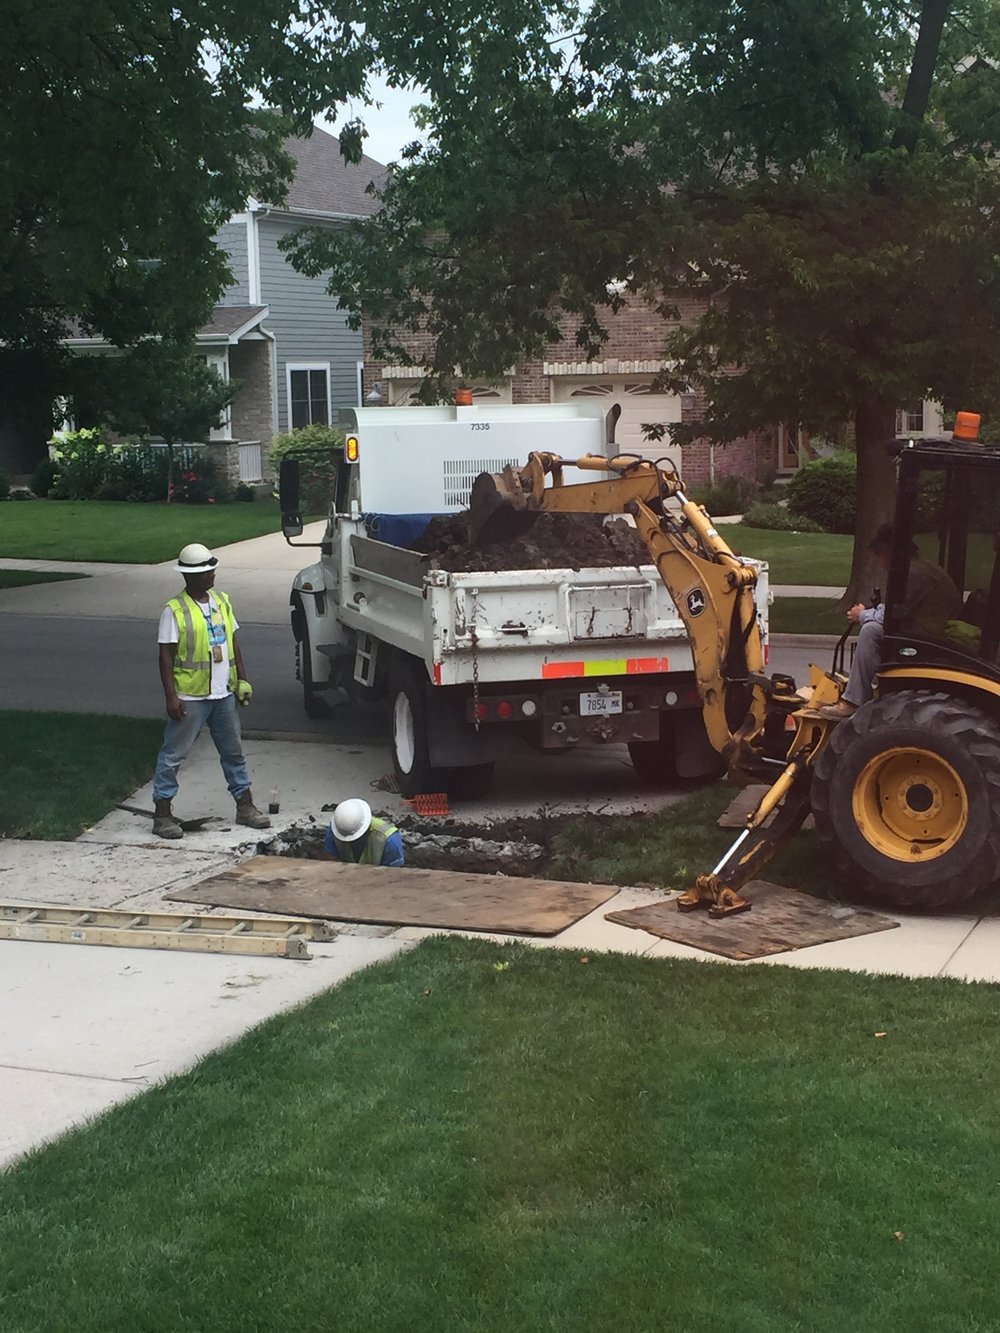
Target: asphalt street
[90, 665]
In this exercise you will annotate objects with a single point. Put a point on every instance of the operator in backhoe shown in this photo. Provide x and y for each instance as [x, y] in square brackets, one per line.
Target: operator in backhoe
[357, 836]
[931, 603]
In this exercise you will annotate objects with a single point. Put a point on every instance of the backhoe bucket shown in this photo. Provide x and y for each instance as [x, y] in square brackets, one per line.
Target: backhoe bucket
[498, 508]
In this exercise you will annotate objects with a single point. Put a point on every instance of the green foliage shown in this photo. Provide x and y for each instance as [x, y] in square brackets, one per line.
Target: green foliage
[824, 491]
[116, 227]
[730, 495]
[88, 467]
[4, 485]
[44, 476]
[777, 518]
[320, 451]
[244, 494]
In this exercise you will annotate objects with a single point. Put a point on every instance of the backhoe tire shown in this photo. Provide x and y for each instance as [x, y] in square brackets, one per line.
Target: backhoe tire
[907, 797]
[410, 742]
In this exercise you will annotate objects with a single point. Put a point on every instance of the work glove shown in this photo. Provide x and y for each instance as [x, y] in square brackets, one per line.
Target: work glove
[244, 692]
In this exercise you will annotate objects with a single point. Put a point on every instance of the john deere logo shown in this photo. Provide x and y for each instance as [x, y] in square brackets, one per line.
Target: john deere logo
[696, 602]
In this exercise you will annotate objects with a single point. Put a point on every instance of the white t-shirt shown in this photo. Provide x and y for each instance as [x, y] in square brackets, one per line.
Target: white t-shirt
[169, 633]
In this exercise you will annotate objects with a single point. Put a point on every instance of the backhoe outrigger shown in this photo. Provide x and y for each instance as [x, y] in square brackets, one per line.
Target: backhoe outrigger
[749, 716]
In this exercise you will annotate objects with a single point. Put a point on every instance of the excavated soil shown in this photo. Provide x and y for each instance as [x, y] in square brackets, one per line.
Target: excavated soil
[523, 845]
[553, 541]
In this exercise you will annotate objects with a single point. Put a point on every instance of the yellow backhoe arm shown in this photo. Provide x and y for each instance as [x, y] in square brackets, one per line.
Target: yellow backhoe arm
[712, 588]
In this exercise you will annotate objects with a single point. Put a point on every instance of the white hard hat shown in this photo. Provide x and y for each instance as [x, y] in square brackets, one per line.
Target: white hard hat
[351, 820]
[195, 559]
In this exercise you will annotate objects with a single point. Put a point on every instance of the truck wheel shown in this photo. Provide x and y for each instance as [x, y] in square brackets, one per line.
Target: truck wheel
[907, 796]
[312, 701]
[653, 762]
[408, 718]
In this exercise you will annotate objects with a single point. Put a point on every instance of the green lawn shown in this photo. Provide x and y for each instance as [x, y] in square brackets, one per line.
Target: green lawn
[794, 557]
[108, 530]
[806, 615]
[22, 578]
[64, 771]
[483, 1139]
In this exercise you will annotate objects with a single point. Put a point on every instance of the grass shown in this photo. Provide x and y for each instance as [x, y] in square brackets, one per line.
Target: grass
[806, 615]
[64, 771]
[668, 849]
[108, 530]
[479, 1138]
[824, 559]
[22, 578]
[794, 557]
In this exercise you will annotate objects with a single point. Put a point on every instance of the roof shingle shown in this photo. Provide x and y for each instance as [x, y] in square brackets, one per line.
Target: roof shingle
[325, 183]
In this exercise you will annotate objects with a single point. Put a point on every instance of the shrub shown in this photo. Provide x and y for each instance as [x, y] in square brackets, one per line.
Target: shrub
[44, 477]
[244, 494]
[134, 471]
[824, 491]
[4, 486]
[777, 518]
[81, 459]
[198, 480]
[728, 495]
[319, 450]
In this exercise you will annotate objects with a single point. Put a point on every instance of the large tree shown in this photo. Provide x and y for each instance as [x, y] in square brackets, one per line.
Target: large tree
[129, 130]
[823, 174]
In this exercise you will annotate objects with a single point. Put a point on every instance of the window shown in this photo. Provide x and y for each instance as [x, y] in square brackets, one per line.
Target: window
[910, 420]
[309, 395]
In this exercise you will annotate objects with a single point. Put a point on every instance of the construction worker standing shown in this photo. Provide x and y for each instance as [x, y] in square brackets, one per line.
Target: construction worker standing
[203, 676]
[356, 835]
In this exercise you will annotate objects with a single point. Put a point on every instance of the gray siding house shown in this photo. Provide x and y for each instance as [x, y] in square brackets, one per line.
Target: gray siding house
[276, 331]
[315, 358]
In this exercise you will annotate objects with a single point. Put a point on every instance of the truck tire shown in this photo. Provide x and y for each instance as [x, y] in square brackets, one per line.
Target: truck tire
[907, 797]
[653, 762]
[313, 703]
[409, 738]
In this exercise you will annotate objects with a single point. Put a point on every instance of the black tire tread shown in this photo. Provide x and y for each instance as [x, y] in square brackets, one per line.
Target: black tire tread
[936, 714]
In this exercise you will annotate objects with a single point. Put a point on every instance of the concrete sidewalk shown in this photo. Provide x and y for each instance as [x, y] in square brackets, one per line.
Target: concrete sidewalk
[85, 1028]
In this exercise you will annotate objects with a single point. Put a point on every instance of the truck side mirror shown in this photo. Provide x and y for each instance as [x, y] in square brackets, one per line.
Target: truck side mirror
[288, 497]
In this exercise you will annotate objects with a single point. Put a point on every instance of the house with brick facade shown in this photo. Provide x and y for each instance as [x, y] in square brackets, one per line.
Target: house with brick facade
[276, 331]
[627, 372]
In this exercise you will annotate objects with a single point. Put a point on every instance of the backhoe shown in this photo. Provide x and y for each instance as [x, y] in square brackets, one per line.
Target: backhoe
[906, 791]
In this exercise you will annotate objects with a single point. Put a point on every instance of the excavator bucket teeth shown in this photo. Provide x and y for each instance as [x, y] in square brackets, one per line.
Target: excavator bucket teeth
[497, 510]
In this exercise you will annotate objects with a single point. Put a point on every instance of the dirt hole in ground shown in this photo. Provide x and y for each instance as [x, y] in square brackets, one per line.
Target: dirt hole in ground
[522, 846]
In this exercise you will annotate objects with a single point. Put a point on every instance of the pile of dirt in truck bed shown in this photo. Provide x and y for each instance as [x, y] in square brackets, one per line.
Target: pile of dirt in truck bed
[554, 541]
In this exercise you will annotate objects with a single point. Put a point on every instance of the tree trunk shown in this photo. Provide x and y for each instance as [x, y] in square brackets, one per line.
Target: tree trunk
[874, 428]
[933, 14]
[170, 472]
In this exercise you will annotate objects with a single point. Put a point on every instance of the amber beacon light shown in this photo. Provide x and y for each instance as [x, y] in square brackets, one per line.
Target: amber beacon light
[966, 426]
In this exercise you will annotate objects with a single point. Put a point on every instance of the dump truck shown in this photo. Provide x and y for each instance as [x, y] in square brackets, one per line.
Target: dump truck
[559, 659]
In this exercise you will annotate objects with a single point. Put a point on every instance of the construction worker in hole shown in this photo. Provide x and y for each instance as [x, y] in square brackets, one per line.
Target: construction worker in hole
[357, 836]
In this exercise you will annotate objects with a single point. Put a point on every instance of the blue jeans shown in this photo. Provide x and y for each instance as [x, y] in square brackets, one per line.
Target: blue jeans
[224, 727]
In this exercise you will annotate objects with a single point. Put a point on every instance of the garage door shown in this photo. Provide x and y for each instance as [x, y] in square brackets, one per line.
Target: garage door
[640, 407]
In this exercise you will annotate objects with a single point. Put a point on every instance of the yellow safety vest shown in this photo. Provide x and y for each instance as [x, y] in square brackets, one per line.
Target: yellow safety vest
[379, 833]
[193, 662]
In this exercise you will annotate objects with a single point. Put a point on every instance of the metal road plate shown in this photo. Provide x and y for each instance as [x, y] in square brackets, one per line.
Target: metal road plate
[600, 705]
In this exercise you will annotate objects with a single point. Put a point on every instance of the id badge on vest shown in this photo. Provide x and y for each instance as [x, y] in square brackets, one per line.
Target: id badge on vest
[216, 632]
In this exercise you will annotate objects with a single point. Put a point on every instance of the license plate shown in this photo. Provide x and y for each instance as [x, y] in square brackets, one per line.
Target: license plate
[600, 705]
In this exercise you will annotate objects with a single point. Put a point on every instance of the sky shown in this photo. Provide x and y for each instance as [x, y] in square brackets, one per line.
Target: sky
[389, 125]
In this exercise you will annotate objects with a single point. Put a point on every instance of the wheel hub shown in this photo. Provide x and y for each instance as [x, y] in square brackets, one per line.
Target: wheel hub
[403, 732]
[910, 804]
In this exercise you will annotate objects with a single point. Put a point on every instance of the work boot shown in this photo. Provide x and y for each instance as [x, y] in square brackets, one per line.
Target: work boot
[164, 823]
[247, 813]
